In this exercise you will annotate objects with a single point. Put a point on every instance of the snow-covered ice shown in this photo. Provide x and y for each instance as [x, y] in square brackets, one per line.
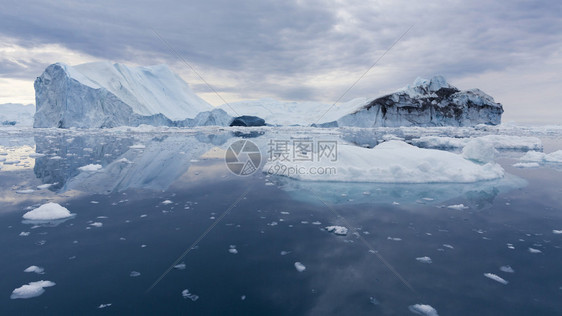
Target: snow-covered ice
[185, 294]
[389, 162]
[104, 305]
[507, 269]
[96, 224]
[556, 231]
[496, 278]
[299, 266]
[424, 259]
[338, 230]
[458, 207]
[90, 168]
[47, 212]
[35, 269]
[534, 250]
[33, 289]
[423, 309]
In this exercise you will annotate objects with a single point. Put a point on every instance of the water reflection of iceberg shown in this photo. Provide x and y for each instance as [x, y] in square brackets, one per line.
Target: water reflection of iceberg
[156, 166]
[477, 194]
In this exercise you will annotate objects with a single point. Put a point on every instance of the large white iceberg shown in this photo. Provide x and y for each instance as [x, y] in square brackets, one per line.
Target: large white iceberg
[33, 289]
[102, 94]
[390, 162]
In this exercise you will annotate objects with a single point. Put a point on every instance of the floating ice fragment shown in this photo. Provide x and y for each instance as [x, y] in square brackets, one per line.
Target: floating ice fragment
[507, 269]
[285, 213]
[299, 266]
[394, 238]
[424, 259]
[27, 191]
[24, 234]
[243, 297]
[185, 293]
[33, 289]
[232, 249]
[526, 165]
[423, 309]
[47, 212]
[554, 231]
[36, 269]
[448, 246]
[284, 253]
[495, 278]
[533, 250]
[180, 266]
[104, 305]
[44, 186]
[134, 274]
[166, 202]
[458, 207]
[338, 230]
[90, 168]
[373, 300]
[96, 224]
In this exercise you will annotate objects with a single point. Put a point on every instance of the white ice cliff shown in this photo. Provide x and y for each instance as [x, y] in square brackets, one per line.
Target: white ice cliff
[102, 94]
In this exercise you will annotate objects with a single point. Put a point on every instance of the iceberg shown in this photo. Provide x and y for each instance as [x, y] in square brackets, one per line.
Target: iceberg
[104, 95]
[33, 289]
[431, 102]
[48, 212]
[390, 162]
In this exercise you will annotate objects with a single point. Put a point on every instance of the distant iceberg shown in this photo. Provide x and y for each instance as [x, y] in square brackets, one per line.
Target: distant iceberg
[104, 95]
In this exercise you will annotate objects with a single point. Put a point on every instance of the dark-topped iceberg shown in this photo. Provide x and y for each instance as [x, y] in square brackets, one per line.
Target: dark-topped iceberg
[426, 103]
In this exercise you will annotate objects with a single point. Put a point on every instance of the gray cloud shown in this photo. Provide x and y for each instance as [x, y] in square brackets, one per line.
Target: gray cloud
[299, 41]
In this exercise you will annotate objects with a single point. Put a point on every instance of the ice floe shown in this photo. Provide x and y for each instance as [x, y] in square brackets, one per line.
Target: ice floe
[35, 269]
[90, 168]
[555, 231]
[390, 162]
[180, 266]
[496, 278]
[96, 224]
[424, 259]
[299, 266]
[458, 207]
[338, 230]
[507, 269]
[104, 305]
[33, 289]
[533, 250]
[423, 309]
[232, 249]
[48, 212]
[185, 294]
[134, 274]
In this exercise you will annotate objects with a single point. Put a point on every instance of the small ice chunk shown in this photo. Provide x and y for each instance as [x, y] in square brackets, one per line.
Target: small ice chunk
[180, 266]
[104, 305]
[166, 202]
[24, 234]
[448, 246]
[507, 269]
[558, 232]
[423, 309]
[373, 300]
[243, 297]
[284, 253]
[232, 249]
[33, 289]
[36, 269]
[533, 250]
[285, 213]
[316, 223]
[299, 266]
[96, 224]
[394, 238]
[425, 259]
[44, 186]
[134, 274]
[185, 293]
[26, 191]
[495, 278]
[458, 207]
[46, 212]
[338, 230]
[526, 165]
[90, 168]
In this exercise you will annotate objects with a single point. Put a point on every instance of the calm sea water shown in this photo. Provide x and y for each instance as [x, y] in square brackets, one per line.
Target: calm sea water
[271, 223]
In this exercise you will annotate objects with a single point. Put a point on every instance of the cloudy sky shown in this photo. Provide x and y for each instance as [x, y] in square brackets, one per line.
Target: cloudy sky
[300, 49]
